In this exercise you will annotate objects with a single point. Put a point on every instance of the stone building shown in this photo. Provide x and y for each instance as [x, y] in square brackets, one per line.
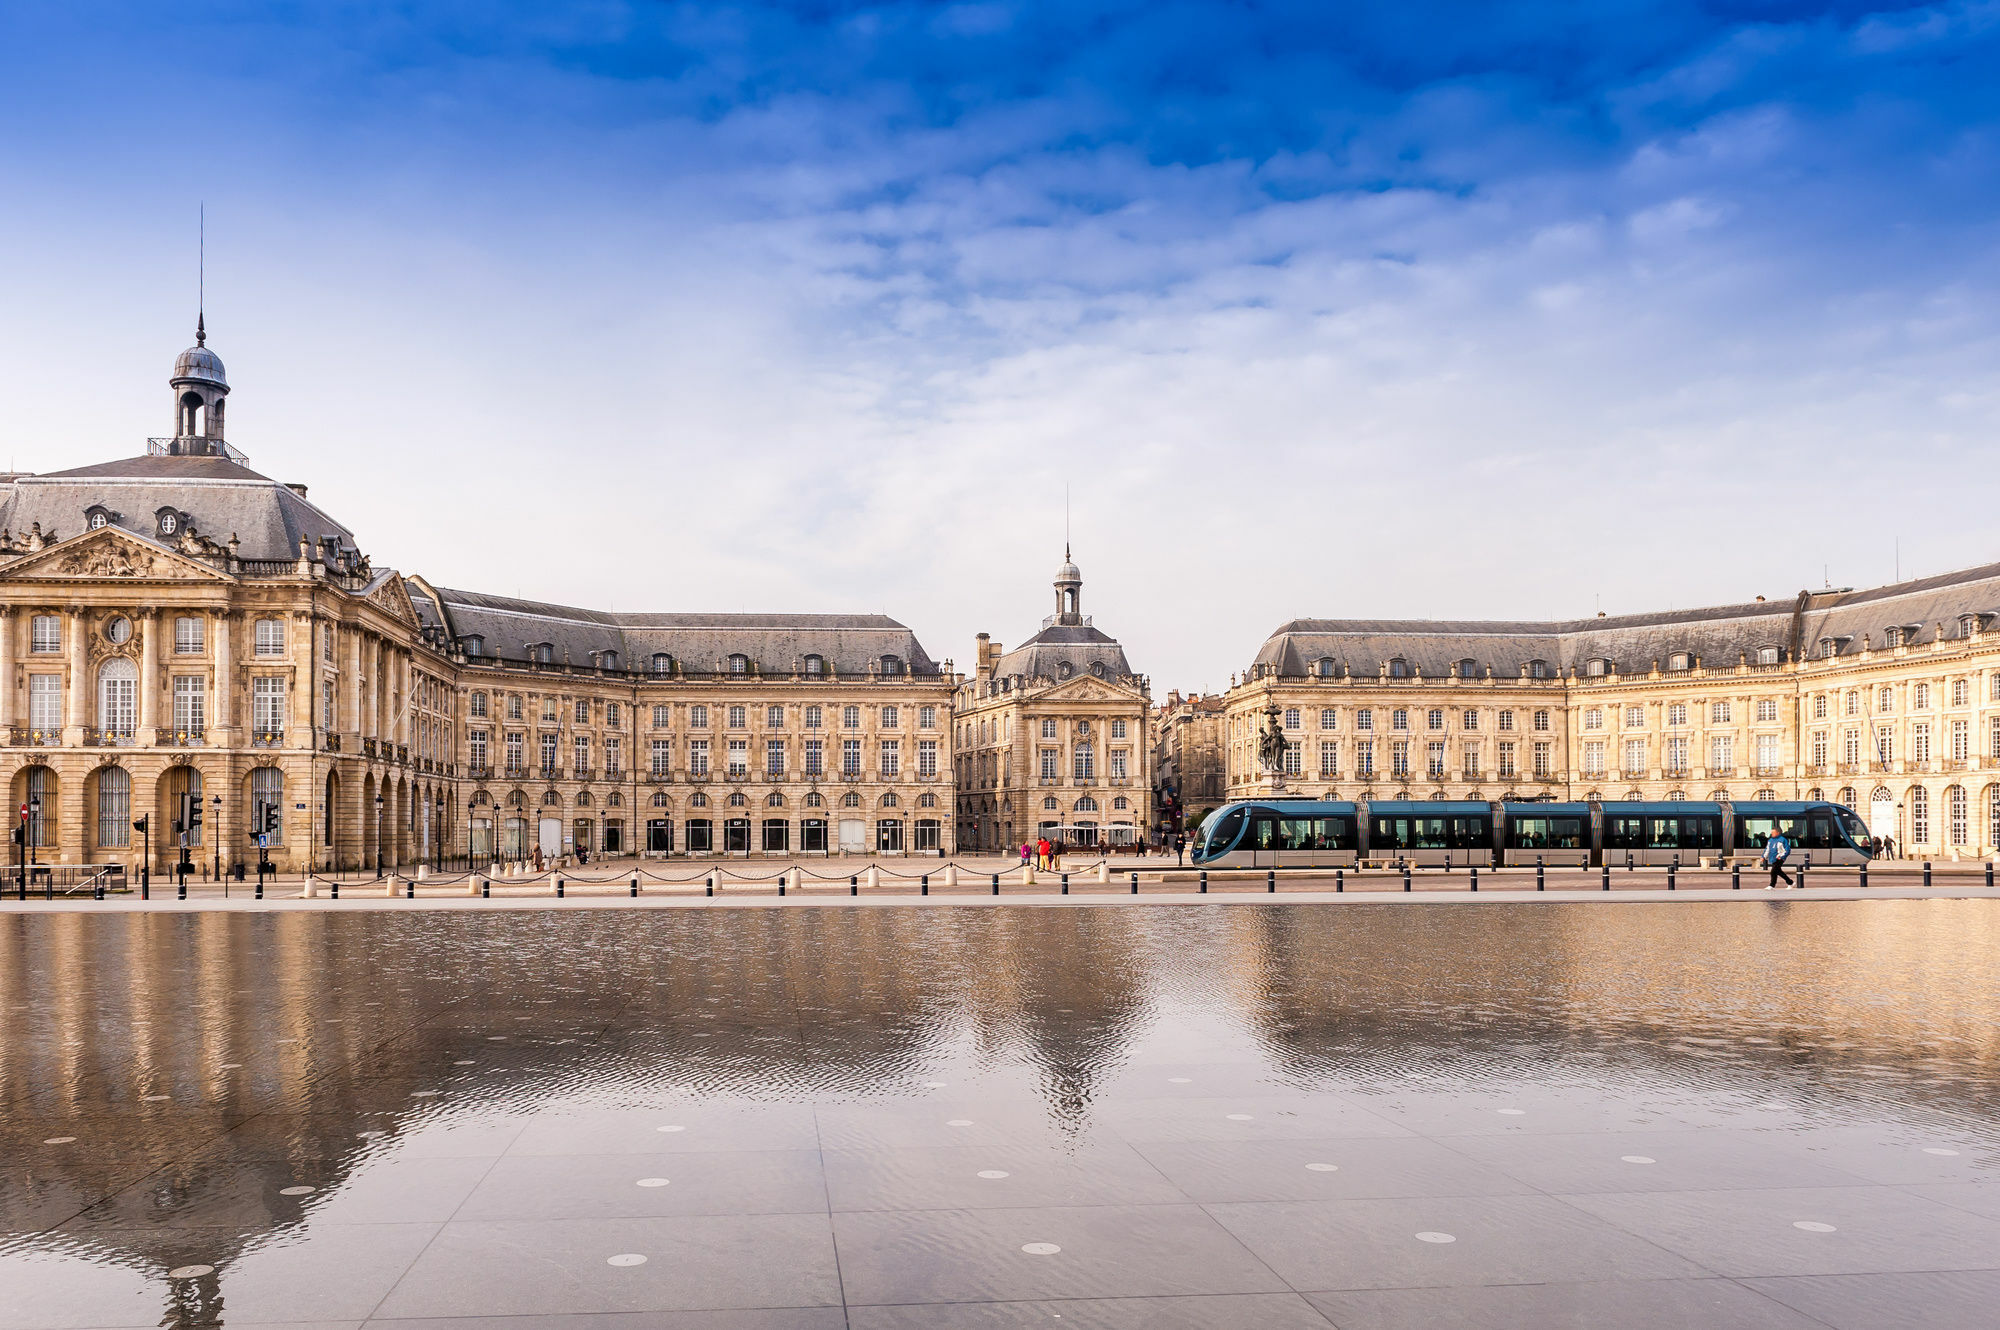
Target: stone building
[177, 623]
[1886, 700]
[1188, 768]
[1051, 736]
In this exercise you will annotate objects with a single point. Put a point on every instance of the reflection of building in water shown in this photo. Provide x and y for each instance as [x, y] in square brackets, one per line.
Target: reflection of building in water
[1817, 997]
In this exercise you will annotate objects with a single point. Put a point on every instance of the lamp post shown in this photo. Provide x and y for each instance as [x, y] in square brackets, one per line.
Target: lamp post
[215, 834]
[378, 835]
[34, 826]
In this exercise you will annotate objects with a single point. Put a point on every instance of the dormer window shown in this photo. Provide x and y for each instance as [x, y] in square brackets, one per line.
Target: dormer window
[1892, 637]
[542, 653]
[1826, 647]
[1679, 661]
[1468, 669]
[609, 660]
[815, 667]
[1097, 669]
[1325, 667]
[892, 665]
[1538, 669]
[662, 663]
[97, 515]
[170, 522]
[1399, 668]
[739, 664]
[1768, 655]
[474, 645]
[1966, 624]
[1596, 668]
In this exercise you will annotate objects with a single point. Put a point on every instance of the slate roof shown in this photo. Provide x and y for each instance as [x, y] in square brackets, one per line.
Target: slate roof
[1078, 645]
[220, 497]
[777, 643]
[1718, 635]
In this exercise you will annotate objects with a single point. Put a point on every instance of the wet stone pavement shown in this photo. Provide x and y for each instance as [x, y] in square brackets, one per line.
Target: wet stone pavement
[1507, 1115]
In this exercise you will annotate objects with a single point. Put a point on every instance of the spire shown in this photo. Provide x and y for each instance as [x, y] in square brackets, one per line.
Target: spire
[200, 329]
[201, 277]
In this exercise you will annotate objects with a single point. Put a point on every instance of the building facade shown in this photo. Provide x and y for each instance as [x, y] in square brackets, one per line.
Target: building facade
[1051, 737]
[178, 625]
[1189, 774]
[1886, 700]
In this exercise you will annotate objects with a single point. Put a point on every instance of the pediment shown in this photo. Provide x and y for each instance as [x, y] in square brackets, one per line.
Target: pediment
[1089, 688]
[109, 554]
[393, 599]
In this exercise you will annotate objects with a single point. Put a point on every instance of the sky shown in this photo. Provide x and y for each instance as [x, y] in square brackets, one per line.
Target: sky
[1277, 309]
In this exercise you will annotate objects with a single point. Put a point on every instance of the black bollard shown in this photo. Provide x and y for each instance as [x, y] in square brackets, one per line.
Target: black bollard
[1864, 872]
[99, 894]
[1065, 884]
[1204, 882]
[410, 890]
[559, 888]
[1672, 869]
[1406, 877]
[336, 891]
[1989, 873]
[1135, 884]
[996, 884]
[1475, 877]
[1607, 877]
[485, 889]
[635, 887]
[1340, 879]
[1927, 872]
[924, 885]
[711, 885]
[1271, 881]
[184, 884]
[853, 885]
[260, 886]
[1736, 877]
[145, 885]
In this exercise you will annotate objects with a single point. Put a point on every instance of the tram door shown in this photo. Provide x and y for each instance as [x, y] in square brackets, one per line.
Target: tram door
[1261, 839]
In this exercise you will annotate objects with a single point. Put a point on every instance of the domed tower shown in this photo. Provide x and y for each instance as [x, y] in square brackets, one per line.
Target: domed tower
[1069, 592]
[200, 392]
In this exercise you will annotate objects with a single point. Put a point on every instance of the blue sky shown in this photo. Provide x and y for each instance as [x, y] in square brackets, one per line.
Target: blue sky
[1311, 309]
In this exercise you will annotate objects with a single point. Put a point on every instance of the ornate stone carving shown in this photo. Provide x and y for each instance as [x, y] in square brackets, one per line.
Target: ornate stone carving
[111, 559]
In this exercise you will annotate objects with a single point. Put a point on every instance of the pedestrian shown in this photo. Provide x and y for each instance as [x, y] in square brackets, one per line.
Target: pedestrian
[1027, 852]
[1776, 851]
[1180, 849]
[1042, 852]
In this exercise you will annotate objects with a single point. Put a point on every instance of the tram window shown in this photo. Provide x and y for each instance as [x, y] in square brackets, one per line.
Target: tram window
[1313, 833]
[1850, 821]
[1548, 833]
[1431, 833]
[1624, 833]
[1758, 830]
[1391, 833]
[1819, 832]
[1225, 830]
[1470, 833]
[1264, 834]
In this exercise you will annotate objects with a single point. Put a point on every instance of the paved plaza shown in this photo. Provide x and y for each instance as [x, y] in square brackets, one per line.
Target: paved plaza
[1530, 1113]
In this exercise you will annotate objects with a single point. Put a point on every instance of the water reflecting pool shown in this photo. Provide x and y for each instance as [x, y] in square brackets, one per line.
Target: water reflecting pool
[1764, 1114]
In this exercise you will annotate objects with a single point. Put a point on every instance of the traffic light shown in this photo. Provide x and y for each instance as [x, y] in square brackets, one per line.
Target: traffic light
[143, 823]
[194, 813]
[268, 822]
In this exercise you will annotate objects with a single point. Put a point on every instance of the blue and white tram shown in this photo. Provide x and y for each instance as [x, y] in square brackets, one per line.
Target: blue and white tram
[1306, 833]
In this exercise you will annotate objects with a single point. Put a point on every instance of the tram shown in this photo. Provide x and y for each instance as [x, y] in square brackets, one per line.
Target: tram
[1310, 833]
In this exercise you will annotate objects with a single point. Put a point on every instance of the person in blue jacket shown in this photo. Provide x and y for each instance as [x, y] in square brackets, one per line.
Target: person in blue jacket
[1776, 851]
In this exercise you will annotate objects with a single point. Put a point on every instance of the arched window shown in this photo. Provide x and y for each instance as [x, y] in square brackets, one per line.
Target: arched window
[1538, 669]
[114, 808]
[1768, 655]
[660, 799]
[1957, 819]
[1766, 796]
[927, 800]
[736, 800]
[815, 800]
[1050, 805]
[1121, 803]
[697, 800]
[851, 799]
[1595, 667]
[1846, 796]
[1993, 814]
[1468, 668]
[1086, 805]
[118, 697]
[775, 801]
[1677, 796]
[1920, 816]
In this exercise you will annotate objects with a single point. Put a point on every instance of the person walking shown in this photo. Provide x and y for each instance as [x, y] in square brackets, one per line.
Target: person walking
[1027, 852]
[1776, 851]
[1180, 849]
[1042, 853]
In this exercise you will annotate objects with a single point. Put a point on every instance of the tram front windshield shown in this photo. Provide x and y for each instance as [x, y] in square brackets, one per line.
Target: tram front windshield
[1221, 830]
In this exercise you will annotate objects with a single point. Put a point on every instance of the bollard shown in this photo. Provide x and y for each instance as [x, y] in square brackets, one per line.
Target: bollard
[1672, 869]
[781, 884]
[1538, 874]
[853, 885]
[1736, 877]
[99, 894]
[260, 888]
[711, 884]
[1135, 884]
[1927, 875]
[635, 888]
[1406, 877]
[410, 890]
[1864, 872]
[145, 886]
[559, 888]
[996, 884]
[336, 891]
[1340, 879]
[1271, 881]
[184, 883]
[485, 889]
[1989, 873]
[1475, 877]
[1607, 877]
[924, 885]
[1065, 884]
[1204, 881]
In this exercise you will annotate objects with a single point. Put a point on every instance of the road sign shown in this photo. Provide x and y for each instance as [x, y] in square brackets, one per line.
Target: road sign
[263, 842]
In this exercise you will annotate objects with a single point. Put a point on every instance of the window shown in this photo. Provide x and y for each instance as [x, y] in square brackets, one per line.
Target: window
[1635, 757]
[927, 757]
[476, 749]
[1769, 749]
[1594, 668]
[892, 665]
[45, 634]
[1920, 697]
[190, 704]
[891, 718]
[1885, 700]
[114, 807]
[698, 716]
[614, 757]
[739, 664]
[479, 706]
[1399, 719]
[850, 718]
[1399, 758]
[513, 706]
[1434, 719]
[1506, 720]
[1364, 758]
[1294, 758]
[267, 704]
[1049, 756]
[1399, 669]
[1958, 824]
[815, 757]
[1469, 719]
[1920, 742]
[515, 761]
[1854, 702]
[1328, 719]
[1593, 758]
[1048, 729]
[614, 715]
[1718, 713]
[697, 758]
[267, 801]
[1885, 744]
[1819, 748]
[1364, 719]
[850, 757]
[1819, 707]
[473, 645]
[580, 754]
[739, 716]
[1542, 721]
[774, 757]
[1292, 720]
[117, 697]
[1325, 668]
[547, 748]
[1542, 759]
[1677, 755]
[1469, 757]
[1538, 669]
[1329, 758]
[1920, 816]
[1506, 761]
[1083, 765]
[662, 756]
[927, 720]
[1721, 754]
[815, 666]
[661, 663]
[1680, 660]
[1434, 760]
[1961, 741]
[270, 637]
[1767, 655]
[739, 757]
[1593, 719]
[1961, 692]
[1677, 713]
[1118, 760]
[190, 636]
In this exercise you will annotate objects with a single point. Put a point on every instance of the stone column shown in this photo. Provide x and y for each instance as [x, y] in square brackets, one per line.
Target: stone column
[299, 721]
[221, 690]
[353, 681]
[149, 679]
[6, 669]
[76, 710]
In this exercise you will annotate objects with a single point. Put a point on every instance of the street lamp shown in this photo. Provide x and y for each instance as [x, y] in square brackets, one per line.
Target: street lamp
[378, 835]
[215, 834]
[34, 826]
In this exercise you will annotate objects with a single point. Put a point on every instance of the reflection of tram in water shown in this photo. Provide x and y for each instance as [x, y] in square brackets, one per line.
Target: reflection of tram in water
[1310, 833]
